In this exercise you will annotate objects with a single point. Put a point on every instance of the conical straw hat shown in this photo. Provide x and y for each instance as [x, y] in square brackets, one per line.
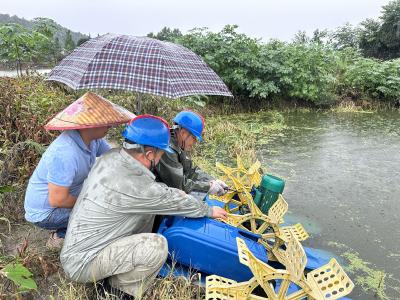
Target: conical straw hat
[89, 111]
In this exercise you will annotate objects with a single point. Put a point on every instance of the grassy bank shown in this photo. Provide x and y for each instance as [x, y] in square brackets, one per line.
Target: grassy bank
[25, 106]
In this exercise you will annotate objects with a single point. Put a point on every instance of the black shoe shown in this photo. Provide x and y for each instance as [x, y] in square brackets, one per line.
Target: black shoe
[106, 291]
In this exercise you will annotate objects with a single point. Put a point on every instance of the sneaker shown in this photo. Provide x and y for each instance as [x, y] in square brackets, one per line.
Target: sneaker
[106, 291]
[54, 242]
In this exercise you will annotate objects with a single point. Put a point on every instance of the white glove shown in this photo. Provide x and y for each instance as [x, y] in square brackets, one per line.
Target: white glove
[223, 184]
[216, 188]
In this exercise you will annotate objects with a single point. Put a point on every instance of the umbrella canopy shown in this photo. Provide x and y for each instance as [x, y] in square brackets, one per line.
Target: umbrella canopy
[138, 64]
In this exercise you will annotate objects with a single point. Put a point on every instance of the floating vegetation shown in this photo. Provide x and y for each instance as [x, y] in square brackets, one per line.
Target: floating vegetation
[303, 128]
[369, 279]
[350, 106]
[239, 134]
[394, 255]
[365, 276]
[351, 110]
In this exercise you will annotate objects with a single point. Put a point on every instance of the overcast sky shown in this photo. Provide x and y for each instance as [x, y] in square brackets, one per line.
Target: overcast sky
[258, 18]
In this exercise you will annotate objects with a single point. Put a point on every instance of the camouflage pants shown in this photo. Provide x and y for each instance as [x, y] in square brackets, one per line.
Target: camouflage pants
[130, 263]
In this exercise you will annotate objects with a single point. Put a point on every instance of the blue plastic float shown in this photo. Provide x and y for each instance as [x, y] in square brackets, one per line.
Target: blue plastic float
[209, 247]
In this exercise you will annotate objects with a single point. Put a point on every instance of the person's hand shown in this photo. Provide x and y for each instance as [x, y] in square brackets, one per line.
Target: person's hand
[182, 193]
[216, 188]
[223, 184]
[218, 213]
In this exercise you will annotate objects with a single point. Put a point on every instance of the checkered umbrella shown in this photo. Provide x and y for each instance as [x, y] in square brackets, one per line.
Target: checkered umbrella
[138, 64]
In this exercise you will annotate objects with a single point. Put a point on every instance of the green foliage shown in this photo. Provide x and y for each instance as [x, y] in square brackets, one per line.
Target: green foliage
[25, 105]
[369, 38]
[82, 40]
[241, 61]
[14, 42]
[39, 42]
[197, 100]
[381, 38]
[374, 78]
[51, 50]
[45, 26]
[346, 36]
[37, 45]
[69, 42]
[318, 70]
[378, 38]
[60, 32]
[301, 38]
[390, 29]
[21, 46]
[312, 72]
[20, 275]
[5, 189]
[320, 36]
[166, 34]
[303, 70]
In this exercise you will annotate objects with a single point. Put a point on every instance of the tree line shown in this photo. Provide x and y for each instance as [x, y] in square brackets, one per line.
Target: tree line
[24, 47]
[349, 63]
[377, 38]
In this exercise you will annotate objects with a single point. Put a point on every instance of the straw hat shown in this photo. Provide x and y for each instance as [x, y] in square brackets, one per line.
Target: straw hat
[89, 111]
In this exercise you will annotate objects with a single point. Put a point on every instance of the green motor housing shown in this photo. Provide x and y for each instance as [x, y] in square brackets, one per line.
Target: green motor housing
[268, 192]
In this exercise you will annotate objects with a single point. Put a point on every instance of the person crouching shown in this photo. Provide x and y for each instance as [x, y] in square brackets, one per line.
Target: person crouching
[109, 233]
[58, 178]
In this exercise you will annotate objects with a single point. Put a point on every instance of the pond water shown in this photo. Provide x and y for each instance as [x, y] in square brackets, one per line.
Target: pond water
[13, 73]
[342, 173]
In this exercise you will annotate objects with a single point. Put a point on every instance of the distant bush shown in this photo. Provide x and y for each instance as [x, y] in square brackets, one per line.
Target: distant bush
[374, 78]
[237, 58]
[308, 70]
[264, 71]
[25, 105]
[312, 72]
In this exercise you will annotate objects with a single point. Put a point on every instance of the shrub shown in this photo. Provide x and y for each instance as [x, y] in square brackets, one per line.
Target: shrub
[374, 78]
[251, 69]
[312, 72]
[26, 104]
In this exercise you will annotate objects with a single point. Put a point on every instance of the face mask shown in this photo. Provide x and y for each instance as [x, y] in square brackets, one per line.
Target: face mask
[183, 146]
[152, 163]
[152, 166]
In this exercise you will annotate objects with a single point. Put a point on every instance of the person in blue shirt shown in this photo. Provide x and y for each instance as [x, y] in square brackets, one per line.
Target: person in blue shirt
[58, 179]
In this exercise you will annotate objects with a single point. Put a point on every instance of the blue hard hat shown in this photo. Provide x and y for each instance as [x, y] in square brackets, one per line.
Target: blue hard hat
[191, 121]
[148, 130]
